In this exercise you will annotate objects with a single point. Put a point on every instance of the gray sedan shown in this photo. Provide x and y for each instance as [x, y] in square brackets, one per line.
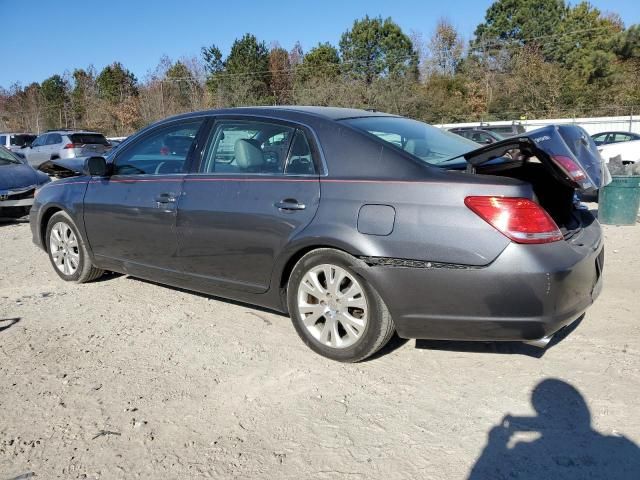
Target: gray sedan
[357, 224]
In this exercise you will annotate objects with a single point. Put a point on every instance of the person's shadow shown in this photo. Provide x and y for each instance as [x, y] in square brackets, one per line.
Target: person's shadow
[565, 447]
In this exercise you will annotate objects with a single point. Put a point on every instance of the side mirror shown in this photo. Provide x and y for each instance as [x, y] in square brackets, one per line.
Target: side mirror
[488, 141]
[96, 166]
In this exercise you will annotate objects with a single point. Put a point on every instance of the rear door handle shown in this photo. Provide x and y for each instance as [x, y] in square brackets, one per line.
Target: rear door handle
[290, 204]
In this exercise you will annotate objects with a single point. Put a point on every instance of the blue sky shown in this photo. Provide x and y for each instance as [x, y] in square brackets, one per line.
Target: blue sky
[42, 37]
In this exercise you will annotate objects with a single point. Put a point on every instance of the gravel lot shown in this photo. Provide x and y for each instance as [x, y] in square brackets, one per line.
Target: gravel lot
[123, 378]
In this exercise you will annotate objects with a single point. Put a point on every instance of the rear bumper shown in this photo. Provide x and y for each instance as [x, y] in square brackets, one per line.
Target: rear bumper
[528, 292]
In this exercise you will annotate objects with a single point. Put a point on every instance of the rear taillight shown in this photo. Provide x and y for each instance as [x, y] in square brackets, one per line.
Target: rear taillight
[571, 168]
[519, 219]
[73, 145]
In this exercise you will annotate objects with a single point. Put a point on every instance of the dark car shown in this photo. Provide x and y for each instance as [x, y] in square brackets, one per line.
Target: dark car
[503, 131]
[477, 135]
[18, 183]
[356, 223]
[605, 138]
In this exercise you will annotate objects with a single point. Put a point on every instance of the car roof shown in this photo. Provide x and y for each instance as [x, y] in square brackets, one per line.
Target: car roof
[70, 132]
[285, 111]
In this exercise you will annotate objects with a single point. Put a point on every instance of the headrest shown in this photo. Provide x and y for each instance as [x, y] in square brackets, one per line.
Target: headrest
[248, 153]
[418, 147]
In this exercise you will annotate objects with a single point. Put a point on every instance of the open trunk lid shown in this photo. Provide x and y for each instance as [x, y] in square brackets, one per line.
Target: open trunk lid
[568, 150]
[63, 168]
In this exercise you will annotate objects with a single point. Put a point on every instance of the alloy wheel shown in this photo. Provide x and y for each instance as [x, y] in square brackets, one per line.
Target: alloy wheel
[64, 248]
[332, 305]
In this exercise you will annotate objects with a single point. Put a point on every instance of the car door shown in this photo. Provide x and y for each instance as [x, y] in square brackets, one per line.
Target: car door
[34, 154]
[256, 187]
[52, 146]
[130, 215]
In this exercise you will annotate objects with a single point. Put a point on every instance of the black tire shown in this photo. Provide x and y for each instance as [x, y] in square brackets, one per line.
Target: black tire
[85, 271]
[379, 327]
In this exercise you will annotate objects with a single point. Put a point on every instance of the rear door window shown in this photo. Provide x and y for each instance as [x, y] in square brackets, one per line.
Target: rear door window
[622, 137]
[247, 147]
[53, 139]
[3, 140]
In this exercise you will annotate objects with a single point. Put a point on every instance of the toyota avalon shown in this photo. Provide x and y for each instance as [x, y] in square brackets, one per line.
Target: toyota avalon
[357, 224]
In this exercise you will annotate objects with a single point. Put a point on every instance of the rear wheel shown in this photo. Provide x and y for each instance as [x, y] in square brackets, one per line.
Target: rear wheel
[334, 310]
[68, 252]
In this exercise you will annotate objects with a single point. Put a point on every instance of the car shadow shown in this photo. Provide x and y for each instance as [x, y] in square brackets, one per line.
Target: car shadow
[502, 348]
[107, 276]
[13, 221]
[6, 323]
[211, 297]
[556, 443]
[394, 343]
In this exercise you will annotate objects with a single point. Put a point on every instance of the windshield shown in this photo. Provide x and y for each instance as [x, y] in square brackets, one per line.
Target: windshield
[429, 144]
[7, 158]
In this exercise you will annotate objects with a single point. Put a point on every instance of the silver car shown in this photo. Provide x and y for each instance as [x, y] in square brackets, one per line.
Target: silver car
[57, 144]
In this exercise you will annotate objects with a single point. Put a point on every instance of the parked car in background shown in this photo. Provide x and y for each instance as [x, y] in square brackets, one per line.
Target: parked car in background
[477, 135]
[16, 141]
[356, 223]
[65, 144]
[504, 131]
[115, 142]
[18, 183]
[606, 138]
[629, 152]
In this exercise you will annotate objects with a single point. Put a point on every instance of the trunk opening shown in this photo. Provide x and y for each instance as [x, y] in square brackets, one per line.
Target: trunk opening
[557, 198]
[557, 161]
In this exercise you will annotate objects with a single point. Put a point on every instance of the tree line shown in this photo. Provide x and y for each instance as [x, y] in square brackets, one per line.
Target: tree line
[528, 58]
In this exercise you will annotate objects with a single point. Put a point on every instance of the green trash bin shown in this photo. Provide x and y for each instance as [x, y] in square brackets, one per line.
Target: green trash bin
[618, 202]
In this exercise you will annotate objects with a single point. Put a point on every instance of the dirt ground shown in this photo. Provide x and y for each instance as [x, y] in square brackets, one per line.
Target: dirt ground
[123, 378]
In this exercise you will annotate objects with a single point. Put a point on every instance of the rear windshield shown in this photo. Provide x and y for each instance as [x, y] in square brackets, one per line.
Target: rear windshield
[429, 144]
[22, 140]
[85, 138]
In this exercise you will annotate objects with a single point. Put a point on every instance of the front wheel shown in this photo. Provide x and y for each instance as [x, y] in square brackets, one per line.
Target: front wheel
[336, 312]
[68, 252]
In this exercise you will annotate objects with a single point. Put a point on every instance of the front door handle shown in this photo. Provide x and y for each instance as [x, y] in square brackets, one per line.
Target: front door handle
[290, 204]
[166, 198]
[166, 201]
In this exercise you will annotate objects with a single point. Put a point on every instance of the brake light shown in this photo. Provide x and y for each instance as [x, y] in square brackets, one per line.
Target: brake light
[571, 168]
[519, 219]
[73, 145]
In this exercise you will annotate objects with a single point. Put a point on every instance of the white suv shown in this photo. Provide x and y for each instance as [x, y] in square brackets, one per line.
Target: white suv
[15, 141]
[65, 144]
